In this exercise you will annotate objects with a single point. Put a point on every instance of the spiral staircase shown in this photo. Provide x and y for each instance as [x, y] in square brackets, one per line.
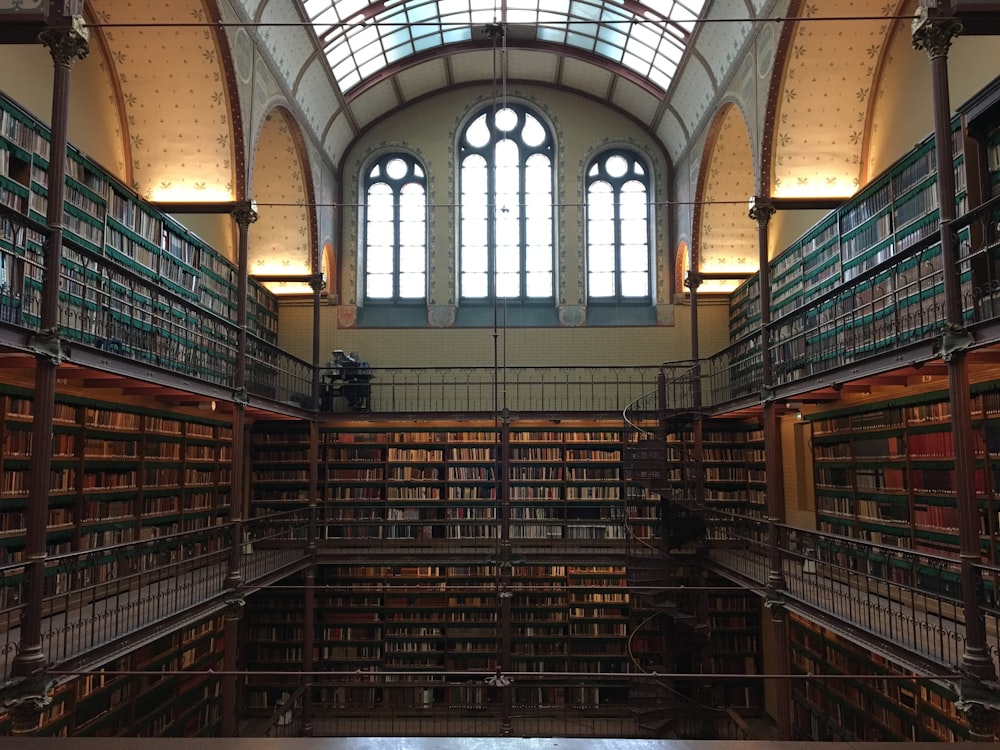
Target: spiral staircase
[666, 572]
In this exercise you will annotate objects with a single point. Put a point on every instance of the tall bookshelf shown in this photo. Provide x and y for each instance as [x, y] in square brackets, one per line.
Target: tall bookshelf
[732, 465]
[163, 688]
[884, 471]
[735, 648]
[120, 473]
[423, 616]
[441, 481]
[896, 211]
[116, 229]
[891, 705]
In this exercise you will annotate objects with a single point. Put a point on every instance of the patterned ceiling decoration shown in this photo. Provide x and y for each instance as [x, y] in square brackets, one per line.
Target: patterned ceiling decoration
[832, 69]
[177, 117]
[280, 240]
[180, 130]
[436, 44]
[727, 240]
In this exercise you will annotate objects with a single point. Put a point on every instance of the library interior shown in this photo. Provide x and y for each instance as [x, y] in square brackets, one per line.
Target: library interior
[589, 370]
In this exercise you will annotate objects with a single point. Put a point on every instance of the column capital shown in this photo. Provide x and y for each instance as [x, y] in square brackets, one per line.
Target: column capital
[693, 280]
[760, 211]
[934, 34]
[245, 214]
[25, 700]
[67, 42]
[317, 282]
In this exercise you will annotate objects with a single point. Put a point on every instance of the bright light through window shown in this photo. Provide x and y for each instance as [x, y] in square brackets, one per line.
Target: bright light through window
[359, 38]
[506, 225]
[618, 228]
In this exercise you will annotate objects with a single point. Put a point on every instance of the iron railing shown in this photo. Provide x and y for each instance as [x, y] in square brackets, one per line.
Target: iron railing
[554, 390]
[96, 599]
[907, 598]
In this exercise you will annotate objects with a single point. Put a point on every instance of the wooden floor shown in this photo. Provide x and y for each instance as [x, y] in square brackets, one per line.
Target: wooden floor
[445, 743]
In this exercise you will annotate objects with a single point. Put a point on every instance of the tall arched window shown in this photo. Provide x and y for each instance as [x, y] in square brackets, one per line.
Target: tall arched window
[395, 230]
[618, 228]
[506, 227]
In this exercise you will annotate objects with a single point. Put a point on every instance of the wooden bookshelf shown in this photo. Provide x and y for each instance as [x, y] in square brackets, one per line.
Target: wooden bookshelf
[120, 473]
[890, 706]
[439, 482]
[735, 648]
[175, 696]
[111, 221]
[884, 471]
[897, 210]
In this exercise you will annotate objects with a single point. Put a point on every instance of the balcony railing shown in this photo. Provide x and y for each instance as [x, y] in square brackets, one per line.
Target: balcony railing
[95, 599]
[551, 390]
[909, 599]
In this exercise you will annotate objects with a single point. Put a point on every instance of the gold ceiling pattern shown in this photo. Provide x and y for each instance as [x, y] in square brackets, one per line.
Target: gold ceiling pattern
[832, 70]
[179, 111]
[727, 237]
[177, 119]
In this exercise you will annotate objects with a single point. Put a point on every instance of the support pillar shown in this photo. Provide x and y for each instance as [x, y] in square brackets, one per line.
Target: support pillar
[761, 213]
[308, 649]
[935, 35]
[693, 281]
[230, 661]
[66, 43]
[245, 214]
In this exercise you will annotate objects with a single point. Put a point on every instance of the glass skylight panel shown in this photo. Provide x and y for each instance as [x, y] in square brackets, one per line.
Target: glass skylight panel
[362, 38]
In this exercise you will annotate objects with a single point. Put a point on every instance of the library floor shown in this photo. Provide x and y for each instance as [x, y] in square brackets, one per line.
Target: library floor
[444, 743]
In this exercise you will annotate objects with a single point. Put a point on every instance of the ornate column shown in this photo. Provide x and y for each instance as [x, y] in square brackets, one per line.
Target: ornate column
[761, 213]
[67, 43]
[231, 645]
[934, 36]
[693, 281]
[244, 214]
[308, 647]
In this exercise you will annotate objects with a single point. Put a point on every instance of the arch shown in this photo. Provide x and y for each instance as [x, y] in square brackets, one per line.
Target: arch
[179, 117]
[506, 157]
[618, 189]
[283, 241]
[393, 184]
[682, 262]
[724, 240]
[827, 73]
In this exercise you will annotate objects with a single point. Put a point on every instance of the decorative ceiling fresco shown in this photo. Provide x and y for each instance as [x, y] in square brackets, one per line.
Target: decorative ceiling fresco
[727, 236]
[832, 69]
[177, 116]
[183, 131]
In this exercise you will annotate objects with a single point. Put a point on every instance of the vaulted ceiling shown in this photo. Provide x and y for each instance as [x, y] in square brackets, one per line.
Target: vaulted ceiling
[196, 103]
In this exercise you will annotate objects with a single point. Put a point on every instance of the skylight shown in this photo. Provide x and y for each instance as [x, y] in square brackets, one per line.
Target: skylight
[360, 38]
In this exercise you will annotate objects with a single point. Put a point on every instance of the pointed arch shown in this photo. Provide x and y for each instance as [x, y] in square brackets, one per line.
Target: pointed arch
[723, 238]
[284, 238]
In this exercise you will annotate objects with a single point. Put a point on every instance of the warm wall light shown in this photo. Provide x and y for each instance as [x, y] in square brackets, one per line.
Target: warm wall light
[190, 194]
[208, 406]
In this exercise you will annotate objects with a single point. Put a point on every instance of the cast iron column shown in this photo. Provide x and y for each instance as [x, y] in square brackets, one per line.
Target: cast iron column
[935, 37]
[761, 213]
[245, 214]
[66, 43]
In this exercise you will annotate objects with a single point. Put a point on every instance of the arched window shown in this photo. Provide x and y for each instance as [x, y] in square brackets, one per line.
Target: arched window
[618, 228]
[506, 228]
[395, 230]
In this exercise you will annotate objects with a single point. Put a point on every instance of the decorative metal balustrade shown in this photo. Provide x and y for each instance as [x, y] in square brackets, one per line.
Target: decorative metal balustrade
[506, 391]
[892, 308]
[94, 600]
[911, 600]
